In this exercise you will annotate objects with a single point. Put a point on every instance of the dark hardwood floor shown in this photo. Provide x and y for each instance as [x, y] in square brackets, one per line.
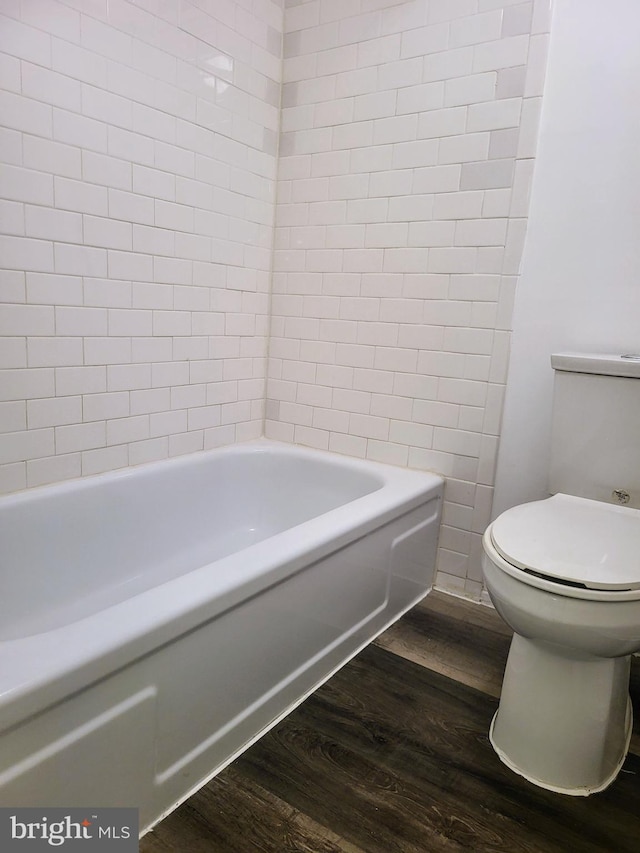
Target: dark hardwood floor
[391, 755]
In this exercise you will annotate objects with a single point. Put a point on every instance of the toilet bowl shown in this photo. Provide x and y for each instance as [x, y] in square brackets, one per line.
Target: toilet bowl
[564, 573]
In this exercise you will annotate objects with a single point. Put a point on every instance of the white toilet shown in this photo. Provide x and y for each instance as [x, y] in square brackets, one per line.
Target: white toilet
[564, 573]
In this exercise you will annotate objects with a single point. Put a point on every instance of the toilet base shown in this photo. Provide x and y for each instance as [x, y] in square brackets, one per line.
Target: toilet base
[563, 724]
[572, 792]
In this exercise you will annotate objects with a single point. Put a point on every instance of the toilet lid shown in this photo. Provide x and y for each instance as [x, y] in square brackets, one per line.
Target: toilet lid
[573, 541]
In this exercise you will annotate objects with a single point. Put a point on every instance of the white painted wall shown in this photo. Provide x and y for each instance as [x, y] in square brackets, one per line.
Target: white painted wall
[580, 282]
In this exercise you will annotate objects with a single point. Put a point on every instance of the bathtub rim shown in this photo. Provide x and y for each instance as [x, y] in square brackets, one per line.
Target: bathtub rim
[76, 657]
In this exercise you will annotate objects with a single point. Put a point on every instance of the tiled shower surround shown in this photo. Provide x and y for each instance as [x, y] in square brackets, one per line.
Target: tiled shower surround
[141, 265]
[141, 151]
[408, 132]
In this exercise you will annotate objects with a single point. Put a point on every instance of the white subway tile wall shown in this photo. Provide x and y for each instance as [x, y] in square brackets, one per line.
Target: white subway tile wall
[141, 267]
[139, 147]
[408, 137]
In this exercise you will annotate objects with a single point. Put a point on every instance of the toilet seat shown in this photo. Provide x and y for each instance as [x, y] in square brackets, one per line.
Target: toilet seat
[573, 542]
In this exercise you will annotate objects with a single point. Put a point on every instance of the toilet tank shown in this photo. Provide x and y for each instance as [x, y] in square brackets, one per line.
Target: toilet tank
[595, 436]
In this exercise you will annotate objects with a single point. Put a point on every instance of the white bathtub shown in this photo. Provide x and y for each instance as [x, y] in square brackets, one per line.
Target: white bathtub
[154, 622]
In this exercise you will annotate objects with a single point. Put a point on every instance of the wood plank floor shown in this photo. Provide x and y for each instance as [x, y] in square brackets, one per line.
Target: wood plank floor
[392, 756]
